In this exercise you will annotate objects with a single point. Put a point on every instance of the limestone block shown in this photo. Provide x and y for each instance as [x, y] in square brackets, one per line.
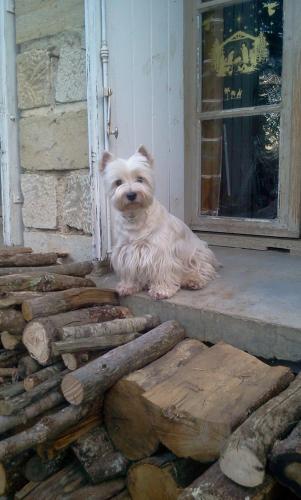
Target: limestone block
[77, 202]
[54, 141]
[78, 246]
[39, 18]
[40, 203]
[35, 72]
[71, 75]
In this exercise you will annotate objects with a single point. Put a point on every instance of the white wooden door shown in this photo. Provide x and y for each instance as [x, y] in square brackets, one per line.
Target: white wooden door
[145, 40]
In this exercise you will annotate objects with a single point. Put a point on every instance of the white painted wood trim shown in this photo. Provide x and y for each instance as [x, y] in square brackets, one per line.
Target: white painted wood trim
[10, 163]
[95, 126]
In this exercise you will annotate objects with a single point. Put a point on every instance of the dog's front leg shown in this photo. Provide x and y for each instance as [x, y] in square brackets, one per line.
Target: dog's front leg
[161, 290]
[125, 288]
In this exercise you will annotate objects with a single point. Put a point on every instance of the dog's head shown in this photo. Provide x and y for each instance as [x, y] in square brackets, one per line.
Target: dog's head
[129, 183]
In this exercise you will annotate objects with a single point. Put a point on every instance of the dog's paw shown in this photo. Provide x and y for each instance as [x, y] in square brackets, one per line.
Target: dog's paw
[159, 293]
[123, 289]
[193, 284]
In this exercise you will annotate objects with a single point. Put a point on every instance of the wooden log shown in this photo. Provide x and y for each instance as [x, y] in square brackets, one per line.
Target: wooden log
[41, 282]
[40, 376]
[195, 410]
[285, 460]
[122, 496]
[11, 321]
[9, 358]
[8, 372]
[213, 485]
[30, 259]
[50, 450]
[16, 404]
[115, 327]
[245, 454]
[105, 342]
[161, 477]
[27, 366]
[40, 333]
[98, 457]
[11, 342]
[66, 300]
[16, 298]
[39, 469]
[47, 428]
[26, 490]
[104, 491]
[9, 251]
[11, 390]
[127, 418]
[73, 269]
[11, 474]
[60, 485]
[96, 377]
[75, 360]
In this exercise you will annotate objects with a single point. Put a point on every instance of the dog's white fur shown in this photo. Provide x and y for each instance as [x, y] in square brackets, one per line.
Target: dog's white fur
[152, 249]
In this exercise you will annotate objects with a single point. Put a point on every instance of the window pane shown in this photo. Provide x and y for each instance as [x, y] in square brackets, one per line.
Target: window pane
[240, 54]
[239, 167]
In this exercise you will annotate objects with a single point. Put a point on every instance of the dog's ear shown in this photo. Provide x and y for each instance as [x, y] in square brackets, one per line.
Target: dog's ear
[105, 158]
[143, 152]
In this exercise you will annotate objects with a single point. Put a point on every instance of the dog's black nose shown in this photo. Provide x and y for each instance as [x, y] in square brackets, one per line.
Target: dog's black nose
[131, 196]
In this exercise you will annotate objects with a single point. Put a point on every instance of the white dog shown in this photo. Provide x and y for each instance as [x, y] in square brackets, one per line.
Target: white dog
[152, 249]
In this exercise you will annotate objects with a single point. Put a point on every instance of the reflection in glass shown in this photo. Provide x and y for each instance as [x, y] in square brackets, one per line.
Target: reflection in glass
[240, 48]
[239, 167]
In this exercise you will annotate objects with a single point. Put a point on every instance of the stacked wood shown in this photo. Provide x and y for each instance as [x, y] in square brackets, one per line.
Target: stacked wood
[40, 376]
[98, 457]
[16, 298]
[104, 491]
[9, 359]
[127, 418]
[66, 300]
[161, 477]
[195, 410]
[31, 259]
[244, 456]
[96, 377]
[75, 360]
[39, 334]
[73, 269]
[104, 342]
[10, 251]
[11, 321]
[11, 342]
[11, 474]
[285, 460]
[41, 282]
[38, 468]
[27, 366]
[213, 485]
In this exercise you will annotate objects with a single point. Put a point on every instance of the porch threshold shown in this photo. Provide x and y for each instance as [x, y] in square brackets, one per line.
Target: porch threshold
[254, 304]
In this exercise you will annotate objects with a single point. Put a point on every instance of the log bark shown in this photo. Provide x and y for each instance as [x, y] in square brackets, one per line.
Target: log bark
[40, 333]
[41, 282]
[27, 366]
[96, 377]
[195, 410]
[115, 327]
[11, 342]
[46, 403]
[8, 372]
[40, 376]
[11, 321]
[66, 300]
[105, 342]
[80, 269]
[127, 418]
[213, 485]
[39, 469]
[161, 477]
[16, 298]
[11, 390]
[9, 251]
[78, 359]
[30, 259]
[98, 457]
[104, 491]
[285, 461]
[10, 358]
[25, 491]
[11, 474]
[60, 485]
[16, 404]
[47, 428]
[245, 454]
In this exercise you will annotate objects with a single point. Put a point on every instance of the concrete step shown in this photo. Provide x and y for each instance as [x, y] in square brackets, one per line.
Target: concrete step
[255, 304]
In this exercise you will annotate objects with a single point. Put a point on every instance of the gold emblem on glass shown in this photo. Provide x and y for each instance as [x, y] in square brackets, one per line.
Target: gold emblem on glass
[271, 7]
[245, 54]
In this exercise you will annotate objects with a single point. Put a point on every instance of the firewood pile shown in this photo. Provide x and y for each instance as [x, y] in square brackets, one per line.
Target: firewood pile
[98, 403]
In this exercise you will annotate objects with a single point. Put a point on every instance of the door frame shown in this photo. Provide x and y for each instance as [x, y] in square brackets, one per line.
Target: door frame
[9, 131]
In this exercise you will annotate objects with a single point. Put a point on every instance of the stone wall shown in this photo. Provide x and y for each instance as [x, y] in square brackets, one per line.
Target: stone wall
[53, 125]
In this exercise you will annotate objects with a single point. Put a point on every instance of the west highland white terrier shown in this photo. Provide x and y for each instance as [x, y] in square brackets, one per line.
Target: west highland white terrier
[153, 250]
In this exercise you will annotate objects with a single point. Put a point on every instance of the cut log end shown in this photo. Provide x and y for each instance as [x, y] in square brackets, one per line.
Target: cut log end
[36, 341]
[2, 479]
[240, 463]
[72, 390]
[293, 472]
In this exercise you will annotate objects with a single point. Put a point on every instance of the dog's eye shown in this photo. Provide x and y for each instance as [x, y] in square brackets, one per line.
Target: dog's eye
[140, 179]
[118, 182]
